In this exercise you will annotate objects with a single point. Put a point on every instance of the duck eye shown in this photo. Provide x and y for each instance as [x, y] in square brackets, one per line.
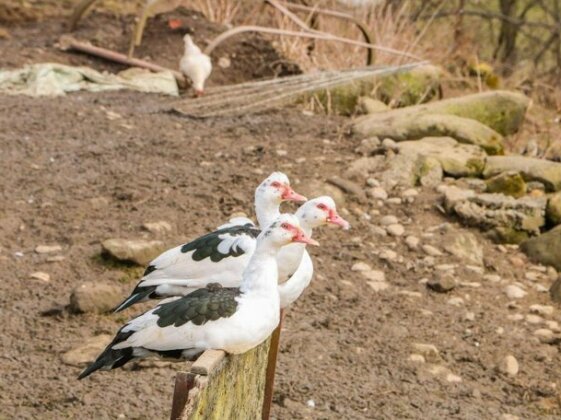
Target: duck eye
[276, 184]
[285, 226]
[322, 207]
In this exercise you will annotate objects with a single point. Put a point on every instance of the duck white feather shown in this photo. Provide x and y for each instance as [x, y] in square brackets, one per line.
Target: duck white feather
[217, 257]
[233, 320]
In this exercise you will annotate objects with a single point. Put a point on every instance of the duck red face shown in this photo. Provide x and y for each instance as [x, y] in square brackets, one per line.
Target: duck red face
[298, 234]
[287, 193]
[333, 217]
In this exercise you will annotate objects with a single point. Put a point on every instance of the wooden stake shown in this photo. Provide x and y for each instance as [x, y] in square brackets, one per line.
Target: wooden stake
[67, 43]
[271, 368]
[183, 383]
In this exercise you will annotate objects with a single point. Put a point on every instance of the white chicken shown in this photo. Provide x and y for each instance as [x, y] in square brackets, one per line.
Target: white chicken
[195, 65]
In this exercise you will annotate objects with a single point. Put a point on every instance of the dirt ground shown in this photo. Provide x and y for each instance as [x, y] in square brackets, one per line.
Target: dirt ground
[74, 175]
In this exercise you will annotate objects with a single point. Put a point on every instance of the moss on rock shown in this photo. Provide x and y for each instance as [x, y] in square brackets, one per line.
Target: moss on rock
[508, 183]
[413, 87]
[553, 210]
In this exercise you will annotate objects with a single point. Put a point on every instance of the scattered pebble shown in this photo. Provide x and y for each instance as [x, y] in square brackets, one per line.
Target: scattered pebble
[431, 250]
[394, 200]
[87, 352]
[411, 192]
[534, 319]
[395, 229]
[541, 288]
[543, 333]
[445, 267]
[409, 293]
[500, 330]
[455, 301]
[224, 62]
[514, 292]
[493, 278]
[374, 275]
[378, 193]
[472, 284]
[360, 266]
[453, 378]
[475, 269]
[39, 275]
[508, 365]
[428, 351]
[47, 249]
[388, 220]
[157, 228]
[428, 261]
[532, 275]
[388, 255]
[55, 258]
[542, 309]
[379, 231]
[311, 403]
[373, 182]
[469, 316]
[389, 144]
[417, 358]
[516, 317]
[412, 242]
[442, 283]
[95, 297]
[553, 325]
[552, 273]
[378, 286]
[509, 417]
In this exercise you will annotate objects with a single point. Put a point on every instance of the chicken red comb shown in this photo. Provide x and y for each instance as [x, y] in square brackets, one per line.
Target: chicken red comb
[174, 23]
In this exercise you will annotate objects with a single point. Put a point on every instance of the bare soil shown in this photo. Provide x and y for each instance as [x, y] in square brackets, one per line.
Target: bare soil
[74, 175]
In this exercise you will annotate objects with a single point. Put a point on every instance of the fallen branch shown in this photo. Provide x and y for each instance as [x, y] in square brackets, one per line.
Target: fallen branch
[67, 43]
[321, 35]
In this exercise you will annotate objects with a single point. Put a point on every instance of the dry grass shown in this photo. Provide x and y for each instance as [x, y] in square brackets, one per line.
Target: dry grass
[218, 11]
[389, 28]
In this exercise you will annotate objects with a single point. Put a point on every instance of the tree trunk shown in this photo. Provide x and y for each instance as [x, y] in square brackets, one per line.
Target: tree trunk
[506, 46]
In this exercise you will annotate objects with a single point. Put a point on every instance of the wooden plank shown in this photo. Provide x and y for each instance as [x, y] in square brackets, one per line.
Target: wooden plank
[184, 382]
[208, 362]
[233, 388]
[271, 369]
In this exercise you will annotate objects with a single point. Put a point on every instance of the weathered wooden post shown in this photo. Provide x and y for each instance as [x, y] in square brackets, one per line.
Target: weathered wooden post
[221, 387]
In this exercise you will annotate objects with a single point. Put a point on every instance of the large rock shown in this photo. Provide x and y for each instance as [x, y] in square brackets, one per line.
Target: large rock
[406, 170]
[403, 126]
[492, 210]
[95, 297]
[86, 353]
[531, 169]
[407, 88]
[553, 211]
[545, 249]
[501, 111]
[363, 166]
[367, 105]
[137, 251]
[416, 86]
[505, 218]
[458, 160]
[508, 183]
